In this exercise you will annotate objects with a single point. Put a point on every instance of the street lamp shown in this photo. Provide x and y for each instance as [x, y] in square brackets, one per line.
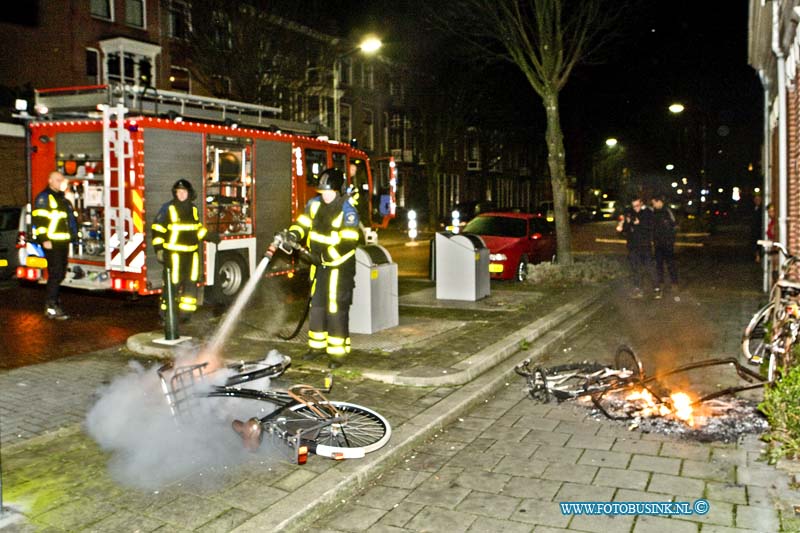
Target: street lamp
[676, 108]
[611, 142]
[369, 45]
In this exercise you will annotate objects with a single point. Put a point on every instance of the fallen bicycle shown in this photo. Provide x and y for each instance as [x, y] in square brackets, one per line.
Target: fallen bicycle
[645, 396]
[303, 421]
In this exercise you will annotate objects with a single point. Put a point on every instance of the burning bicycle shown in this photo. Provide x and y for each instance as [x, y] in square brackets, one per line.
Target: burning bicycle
[303, 421]
[622, 391]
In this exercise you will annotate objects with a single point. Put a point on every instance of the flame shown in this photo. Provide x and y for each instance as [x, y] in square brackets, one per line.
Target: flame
[681, 405]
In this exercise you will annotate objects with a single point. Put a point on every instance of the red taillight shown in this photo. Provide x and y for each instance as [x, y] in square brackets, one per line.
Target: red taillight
[117, 284]
[30, 274]
[536, 236]
[302, 455]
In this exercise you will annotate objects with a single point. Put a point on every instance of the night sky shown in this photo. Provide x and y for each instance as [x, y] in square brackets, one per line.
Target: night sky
[693, 52]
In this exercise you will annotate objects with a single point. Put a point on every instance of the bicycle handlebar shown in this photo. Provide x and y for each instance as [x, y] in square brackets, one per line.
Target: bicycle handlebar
[773, 244]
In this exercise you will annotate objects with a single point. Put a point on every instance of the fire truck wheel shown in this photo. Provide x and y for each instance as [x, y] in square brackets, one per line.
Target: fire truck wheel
[229, 278]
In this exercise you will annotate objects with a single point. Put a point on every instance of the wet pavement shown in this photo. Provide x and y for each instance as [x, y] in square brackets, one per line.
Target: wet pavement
[97, 321]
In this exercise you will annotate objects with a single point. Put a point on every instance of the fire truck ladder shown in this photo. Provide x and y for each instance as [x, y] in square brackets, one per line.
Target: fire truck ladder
[120, 238]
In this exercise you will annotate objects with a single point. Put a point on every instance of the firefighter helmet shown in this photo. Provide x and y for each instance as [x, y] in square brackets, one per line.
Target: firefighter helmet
[331, 179]
[183, 184]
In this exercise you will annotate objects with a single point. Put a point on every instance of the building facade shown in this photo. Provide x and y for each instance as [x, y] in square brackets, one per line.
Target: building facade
[155, 45]
[774, 52]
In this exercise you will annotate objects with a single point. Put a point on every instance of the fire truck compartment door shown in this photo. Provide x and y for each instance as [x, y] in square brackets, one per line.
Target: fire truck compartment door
[273, 187]
[168, 156]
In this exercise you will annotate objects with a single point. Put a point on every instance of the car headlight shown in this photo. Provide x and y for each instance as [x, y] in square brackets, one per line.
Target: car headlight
[497, 257]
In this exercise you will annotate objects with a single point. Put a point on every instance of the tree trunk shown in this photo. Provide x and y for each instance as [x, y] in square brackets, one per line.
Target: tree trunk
[558, 177]
[433, 216]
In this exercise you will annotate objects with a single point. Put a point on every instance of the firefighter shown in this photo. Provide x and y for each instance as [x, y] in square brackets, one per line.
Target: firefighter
[177, 234]
[54, 227]
[330, 229]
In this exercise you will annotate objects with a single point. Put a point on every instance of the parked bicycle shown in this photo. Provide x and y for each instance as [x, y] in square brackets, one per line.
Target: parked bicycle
[302, 422]
[773, 330]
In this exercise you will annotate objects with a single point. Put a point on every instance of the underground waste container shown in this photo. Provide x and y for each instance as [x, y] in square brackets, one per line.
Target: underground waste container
[375, 301]
[462, 267]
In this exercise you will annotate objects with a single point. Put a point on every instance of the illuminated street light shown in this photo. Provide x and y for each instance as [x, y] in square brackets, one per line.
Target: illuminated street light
[370, 45]
[611, 142]
[674, 184]
[670, 166]
[676, 108]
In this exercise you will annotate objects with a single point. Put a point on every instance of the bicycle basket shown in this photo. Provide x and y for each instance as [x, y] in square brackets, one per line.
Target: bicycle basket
[178, 387]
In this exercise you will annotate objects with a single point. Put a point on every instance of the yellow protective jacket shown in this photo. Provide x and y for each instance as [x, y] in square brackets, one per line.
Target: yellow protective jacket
[177, 228]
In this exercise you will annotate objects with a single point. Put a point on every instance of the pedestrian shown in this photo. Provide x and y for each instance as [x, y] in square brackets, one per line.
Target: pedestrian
[665, 227]
[757, 227]
[177, 233]
[636, 224]
[54, 228]
[329, 227]
[771, 235]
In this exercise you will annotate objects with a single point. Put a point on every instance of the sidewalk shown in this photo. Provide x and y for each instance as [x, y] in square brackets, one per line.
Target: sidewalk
[62, 480]
[507, 464]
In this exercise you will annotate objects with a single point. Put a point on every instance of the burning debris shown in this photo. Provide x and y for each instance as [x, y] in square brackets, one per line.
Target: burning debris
[623, 393]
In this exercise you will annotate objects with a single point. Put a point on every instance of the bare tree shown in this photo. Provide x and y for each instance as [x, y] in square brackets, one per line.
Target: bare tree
[546, 39]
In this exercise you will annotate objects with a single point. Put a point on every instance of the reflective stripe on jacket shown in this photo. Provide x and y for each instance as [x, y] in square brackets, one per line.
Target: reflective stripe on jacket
[175, 234]
[53, 218]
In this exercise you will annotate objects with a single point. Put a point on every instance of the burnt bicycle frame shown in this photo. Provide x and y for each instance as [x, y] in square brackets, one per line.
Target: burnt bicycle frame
[602, 379]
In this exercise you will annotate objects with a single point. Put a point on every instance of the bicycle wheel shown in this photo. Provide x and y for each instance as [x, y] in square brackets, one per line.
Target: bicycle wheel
[362, 431]
[754, 344]
[626, 359]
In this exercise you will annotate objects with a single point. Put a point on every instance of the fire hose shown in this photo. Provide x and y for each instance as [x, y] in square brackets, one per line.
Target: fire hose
[288, 246]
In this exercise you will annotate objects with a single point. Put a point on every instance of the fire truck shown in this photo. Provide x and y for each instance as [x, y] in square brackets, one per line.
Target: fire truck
[122, 149]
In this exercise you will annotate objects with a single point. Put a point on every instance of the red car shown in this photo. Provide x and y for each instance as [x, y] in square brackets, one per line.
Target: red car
[514, 240]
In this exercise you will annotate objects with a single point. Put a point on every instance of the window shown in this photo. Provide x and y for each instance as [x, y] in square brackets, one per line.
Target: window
[223, 30]
[316, 162]
[134, 13]
[116, 72]
[369, 129]
[103, 9]
[180, 79]
[385, 131]
[369, 76]
[92, 66]
[345, 122]
[179, 20]
[345, 72]
[339, 160]
[222, 86]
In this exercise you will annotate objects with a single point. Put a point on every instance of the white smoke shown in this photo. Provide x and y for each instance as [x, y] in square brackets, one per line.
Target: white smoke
[150, 447]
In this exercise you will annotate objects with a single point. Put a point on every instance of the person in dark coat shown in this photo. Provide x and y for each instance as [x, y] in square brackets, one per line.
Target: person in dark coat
[636, 224]
[665, 226]
[54, 228]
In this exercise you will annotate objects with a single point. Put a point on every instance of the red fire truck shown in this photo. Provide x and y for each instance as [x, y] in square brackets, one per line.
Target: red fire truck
[122, 150]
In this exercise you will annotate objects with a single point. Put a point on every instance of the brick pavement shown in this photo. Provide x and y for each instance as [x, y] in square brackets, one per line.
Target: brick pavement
[507, 464]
